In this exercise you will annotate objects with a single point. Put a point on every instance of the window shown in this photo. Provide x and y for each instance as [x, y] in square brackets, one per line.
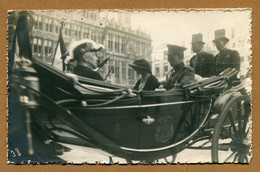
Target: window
[137, 48]
[70, 29]
[99, 37]
[37, 46]
[142, 49]
[123, 45]
[48, 50]
[94, 36]
[56, 26]
[165, 55]
[117, 44]
[110, 42]
[38, 24]
[85, 33]
[80, 34]
[46, 25]
[50, 25]
[117, 71]
[165, 69]
[131, 74]
[157, 70]
[46, 47]
[123, 70]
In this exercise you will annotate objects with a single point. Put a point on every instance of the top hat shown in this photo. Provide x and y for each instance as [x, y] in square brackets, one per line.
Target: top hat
[220, 35]
[82, 46]
[197, 38]
[174, 49]
[141, 64]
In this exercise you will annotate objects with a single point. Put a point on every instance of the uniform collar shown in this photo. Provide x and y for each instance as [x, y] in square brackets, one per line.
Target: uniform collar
[201, 51]
[224, 49]
[177, 67]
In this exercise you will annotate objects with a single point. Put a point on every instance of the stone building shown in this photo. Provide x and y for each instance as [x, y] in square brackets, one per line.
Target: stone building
[113, 30]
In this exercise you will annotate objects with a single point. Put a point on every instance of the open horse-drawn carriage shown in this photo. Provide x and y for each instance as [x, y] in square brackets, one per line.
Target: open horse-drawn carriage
[139, 126]
[143, 126]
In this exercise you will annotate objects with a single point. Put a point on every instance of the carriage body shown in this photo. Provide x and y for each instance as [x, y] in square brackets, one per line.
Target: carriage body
[136, 126]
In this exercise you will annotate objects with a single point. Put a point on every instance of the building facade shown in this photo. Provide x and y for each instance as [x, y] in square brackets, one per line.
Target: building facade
[112, 30]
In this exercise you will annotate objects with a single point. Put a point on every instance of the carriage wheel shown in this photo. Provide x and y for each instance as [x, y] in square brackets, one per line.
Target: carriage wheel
[231, 140]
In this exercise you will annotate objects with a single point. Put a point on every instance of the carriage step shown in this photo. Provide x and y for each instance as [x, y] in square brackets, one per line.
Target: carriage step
[207, 148]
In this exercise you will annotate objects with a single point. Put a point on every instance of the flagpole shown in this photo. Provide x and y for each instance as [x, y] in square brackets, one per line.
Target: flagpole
[60, 35]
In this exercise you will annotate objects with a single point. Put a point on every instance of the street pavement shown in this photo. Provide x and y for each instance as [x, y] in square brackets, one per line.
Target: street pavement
[80, 154]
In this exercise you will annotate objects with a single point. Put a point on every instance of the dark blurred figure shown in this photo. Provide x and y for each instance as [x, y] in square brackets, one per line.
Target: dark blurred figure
[202, 62]
[147, 80]
[226, 58]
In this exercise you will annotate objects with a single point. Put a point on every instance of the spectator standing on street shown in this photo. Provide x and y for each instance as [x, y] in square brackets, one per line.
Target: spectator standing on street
[226, 58]
[202, 62]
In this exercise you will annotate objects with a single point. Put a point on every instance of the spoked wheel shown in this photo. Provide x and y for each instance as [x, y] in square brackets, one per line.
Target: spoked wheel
[231, 140]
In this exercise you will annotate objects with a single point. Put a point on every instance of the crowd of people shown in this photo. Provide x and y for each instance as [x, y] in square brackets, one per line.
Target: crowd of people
[202, 64]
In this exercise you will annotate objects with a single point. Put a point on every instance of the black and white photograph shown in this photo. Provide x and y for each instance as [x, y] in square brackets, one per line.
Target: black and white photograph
[129, 86]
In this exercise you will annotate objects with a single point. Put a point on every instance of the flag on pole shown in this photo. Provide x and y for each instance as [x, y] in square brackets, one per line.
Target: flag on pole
[21, 47]
[61, 52]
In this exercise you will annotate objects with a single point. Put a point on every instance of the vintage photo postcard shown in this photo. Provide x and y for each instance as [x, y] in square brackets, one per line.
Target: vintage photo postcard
[128, 86]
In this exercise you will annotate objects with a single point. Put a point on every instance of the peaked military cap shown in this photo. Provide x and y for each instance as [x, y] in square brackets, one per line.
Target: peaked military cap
[197, 38]
[175, 49]
[82, 46]
[220, 34]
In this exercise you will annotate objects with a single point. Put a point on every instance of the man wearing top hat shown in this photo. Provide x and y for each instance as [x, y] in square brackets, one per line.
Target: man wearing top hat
[226, 58]
[202, 62]
[180, 74]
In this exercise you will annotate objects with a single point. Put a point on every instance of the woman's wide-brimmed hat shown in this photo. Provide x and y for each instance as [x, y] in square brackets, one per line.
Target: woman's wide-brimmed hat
[141, 64]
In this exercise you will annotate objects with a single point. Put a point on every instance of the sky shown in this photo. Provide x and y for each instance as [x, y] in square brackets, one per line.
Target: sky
[173, 27]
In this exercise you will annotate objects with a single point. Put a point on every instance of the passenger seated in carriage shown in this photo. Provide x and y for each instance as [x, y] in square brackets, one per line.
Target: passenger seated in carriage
[180, 74]
[147, 81]
[84, 59]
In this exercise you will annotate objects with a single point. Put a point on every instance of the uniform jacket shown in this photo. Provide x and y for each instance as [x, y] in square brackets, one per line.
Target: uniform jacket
[151, 84]
[202, 64]
[226, 58]
[87, 72]
[181, 76]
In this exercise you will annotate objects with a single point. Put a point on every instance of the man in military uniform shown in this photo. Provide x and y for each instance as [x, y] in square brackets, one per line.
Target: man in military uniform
[226, 58]
[202, 62]
[180, 74]
[84, 60]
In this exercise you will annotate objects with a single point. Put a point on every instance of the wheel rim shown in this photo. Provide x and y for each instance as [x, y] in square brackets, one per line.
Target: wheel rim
[231, 140]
